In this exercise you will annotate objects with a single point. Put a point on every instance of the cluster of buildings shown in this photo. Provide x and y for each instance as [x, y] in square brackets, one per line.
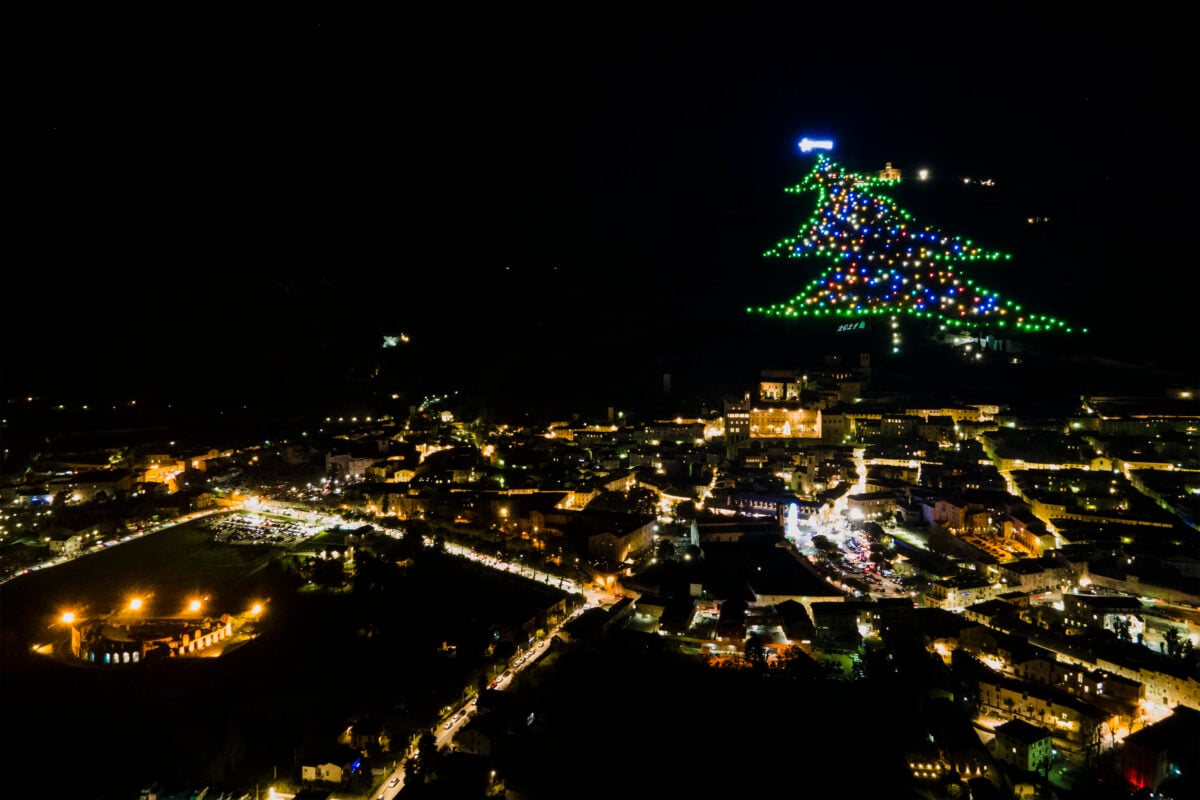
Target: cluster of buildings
[1061, 553]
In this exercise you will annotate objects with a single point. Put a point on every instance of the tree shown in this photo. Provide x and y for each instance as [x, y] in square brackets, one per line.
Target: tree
[1178, 644]
[878, 260]
[799, 663]
[1172, 640]
[825, 544]
[685, 510]
[607, 500]
[756, 651]
[643, 501]
[421, 766]
[373, 573]
[329, 573]
[638, 500]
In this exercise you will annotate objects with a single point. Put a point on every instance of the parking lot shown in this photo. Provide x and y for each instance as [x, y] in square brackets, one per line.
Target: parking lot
[243, 528]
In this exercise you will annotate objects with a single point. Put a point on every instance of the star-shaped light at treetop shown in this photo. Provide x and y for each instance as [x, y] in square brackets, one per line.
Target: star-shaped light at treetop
[880, 262]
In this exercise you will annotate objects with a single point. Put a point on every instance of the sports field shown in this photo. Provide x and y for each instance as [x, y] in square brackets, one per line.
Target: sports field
[166, 569]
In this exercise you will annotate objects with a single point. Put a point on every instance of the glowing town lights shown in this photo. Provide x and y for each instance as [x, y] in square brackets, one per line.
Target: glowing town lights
[135, 604]
[835, 235]
[67, 618]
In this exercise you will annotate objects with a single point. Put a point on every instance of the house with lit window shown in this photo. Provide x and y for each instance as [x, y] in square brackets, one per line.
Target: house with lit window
[1033, 574]
[649, 609]
[890, 616]
[997, 614]
[873, 505]
[888, 173]
[64, 541]
[1022, 744]
[1025, 527]
[615, 537]
[92, 485]
[1081, 729]
[951, 749]
[784, 421]
[836, 624]
[1103, 687]
[327, 772]
[1104, 612]
[957, 592]
[483, 734]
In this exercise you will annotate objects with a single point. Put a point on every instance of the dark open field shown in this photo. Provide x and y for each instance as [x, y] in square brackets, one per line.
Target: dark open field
[166, 568]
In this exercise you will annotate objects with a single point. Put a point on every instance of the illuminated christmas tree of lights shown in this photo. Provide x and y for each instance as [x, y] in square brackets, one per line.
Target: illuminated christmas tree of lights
[791, 529]
[879, 261]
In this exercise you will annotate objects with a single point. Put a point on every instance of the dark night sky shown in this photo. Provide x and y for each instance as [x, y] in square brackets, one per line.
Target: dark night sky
[191, 198]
